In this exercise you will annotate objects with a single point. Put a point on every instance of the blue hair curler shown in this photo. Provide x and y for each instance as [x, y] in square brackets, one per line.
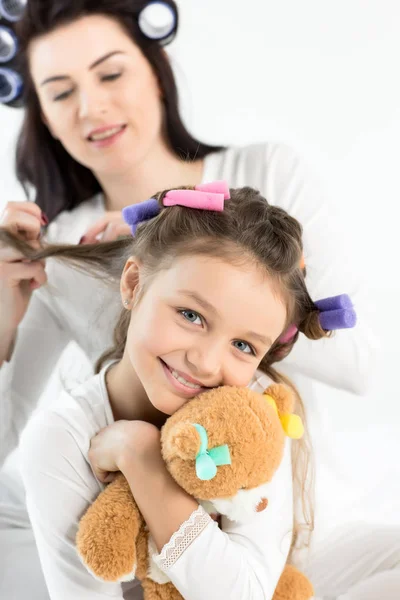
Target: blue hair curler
[10, 85]
[12, 10]
[8, 44]
[158, 21]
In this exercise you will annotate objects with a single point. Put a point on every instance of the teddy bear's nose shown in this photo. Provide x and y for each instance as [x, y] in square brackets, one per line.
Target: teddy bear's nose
[262, 505]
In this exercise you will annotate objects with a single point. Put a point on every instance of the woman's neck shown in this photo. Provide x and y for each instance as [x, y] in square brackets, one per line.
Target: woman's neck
[160, 170]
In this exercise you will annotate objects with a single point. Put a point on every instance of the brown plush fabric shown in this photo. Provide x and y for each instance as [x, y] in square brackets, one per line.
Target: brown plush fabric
[113, 538]
[155, 591]
[108, 531]
[240, 418]
[293, 585]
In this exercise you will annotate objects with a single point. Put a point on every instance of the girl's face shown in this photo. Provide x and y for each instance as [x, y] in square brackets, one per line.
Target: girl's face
[98, 93]
[201, 323]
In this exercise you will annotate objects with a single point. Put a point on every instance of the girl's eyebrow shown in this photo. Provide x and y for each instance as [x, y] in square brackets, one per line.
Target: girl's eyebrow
[200, 300]
[264, 340]
[92, 66]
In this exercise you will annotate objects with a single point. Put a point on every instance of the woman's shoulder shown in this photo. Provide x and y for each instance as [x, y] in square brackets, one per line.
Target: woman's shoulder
[70, 225]
[257, 165]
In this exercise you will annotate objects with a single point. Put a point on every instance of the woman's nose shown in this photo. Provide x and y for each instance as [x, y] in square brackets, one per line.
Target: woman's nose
[92, 103]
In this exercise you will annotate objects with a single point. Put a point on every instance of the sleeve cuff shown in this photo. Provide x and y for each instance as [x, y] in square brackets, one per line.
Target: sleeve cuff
[187, 533]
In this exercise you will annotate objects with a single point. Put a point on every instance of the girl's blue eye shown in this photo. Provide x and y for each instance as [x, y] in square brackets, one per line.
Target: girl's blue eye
[244, 347]
[191, 316]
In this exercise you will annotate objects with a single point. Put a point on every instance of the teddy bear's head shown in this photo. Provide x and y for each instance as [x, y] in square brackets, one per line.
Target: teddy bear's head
[225, 445]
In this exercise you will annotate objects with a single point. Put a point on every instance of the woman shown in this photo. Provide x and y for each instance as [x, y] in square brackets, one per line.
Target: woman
[101, 131]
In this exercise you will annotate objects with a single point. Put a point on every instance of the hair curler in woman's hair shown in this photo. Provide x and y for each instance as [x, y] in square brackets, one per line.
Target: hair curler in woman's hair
[12, 10]
[11, 82]
[8, 44]
[10, 86]
[159, 21]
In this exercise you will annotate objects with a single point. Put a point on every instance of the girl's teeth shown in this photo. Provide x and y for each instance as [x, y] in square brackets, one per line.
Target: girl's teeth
[105, 134]
[194, 386]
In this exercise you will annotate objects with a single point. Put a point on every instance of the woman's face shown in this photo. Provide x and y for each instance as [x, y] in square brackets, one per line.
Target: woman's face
[98, 93]
[200, 323]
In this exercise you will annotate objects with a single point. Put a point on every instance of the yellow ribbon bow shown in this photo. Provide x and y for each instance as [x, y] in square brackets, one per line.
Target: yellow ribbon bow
[292, 424]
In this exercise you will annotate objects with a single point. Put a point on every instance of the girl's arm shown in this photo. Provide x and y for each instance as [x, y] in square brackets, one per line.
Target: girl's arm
[347, 360]
[245, 560]
[60, 486]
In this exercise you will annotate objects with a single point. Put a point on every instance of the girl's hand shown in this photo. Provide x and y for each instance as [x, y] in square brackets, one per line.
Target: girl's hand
[120, 443]
[107, 229]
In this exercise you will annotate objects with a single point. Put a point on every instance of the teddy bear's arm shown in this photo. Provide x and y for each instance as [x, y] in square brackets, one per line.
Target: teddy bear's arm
[106, 539]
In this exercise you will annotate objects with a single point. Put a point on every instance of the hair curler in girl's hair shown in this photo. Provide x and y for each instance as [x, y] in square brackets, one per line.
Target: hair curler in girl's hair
[335, 312]
[206, 196]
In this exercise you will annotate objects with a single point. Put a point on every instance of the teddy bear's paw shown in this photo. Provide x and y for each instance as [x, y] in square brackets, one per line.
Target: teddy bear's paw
[107, 553]
[157, 591]
[108, 566]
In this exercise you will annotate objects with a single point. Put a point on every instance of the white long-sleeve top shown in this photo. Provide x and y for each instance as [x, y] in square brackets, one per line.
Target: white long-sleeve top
[242, 560]
[74, 306]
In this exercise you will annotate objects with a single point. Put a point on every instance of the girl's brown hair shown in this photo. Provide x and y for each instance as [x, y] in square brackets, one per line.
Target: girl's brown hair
[248, 231]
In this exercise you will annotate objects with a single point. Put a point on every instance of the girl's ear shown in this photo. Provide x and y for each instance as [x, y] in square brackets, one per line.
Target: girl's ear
[129, 284]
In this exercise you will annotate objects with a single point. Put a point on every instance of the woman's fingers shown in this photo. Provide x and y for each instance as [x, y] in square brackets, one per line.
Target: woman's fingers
[23, 219]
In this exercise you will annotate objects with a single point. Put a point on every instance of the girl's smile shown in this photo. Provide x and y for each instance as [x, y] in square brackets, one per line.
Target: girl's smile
[182, 382]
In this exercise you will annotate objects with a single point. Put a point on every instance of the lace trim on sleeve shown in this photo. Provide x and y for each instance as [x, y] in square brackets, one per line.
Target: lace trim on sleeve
[181, 539]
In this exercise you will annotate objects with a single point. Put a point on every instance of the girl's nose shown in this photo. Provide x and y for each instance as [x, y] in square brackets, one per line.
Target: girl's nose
[206, 362]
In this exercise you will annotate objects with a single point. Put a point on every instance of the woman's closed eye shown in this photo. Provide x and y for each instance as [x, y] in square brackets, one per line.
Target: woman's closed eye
[106, 78]
[111, 77]
[63, 95]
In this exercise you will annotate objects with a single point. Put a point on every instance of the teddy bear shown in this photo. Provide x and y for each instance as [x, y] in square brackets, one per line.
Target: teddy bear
[223, 448]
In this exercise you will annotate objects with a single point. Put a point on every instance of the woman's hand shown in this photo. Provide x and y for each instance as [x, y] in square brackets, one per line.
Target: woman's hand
[121, 443]
[18, 276]
[106, 229]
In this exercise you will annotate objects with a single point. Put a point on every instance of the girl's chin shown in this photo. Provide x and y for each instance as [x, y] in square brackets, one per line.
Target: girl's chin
[170, 404]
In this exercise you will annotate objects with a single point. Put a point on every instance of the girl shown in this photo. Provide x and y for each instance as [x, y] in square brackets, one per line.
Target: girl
[206, 298]
[87, 66]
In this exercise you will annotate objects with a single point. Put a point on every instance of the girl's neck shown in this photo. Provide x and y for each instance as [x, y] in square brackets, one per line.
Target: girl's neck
[127, 397]
[159, 170]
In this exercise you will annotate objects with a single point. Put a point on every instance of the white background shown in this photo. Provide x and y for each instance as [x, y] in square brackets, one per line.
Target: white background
[323, 77]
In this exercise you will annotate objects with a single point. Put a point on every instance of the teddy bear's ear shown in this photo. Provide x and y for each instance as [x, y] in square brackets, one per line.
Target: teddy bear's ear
[283, 396]
[183, 441]
[284, 399]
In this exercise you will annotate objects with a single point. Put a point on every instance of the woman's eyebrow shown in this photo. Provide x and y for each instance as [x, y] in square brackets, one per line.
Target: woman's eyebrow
[92, 66]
